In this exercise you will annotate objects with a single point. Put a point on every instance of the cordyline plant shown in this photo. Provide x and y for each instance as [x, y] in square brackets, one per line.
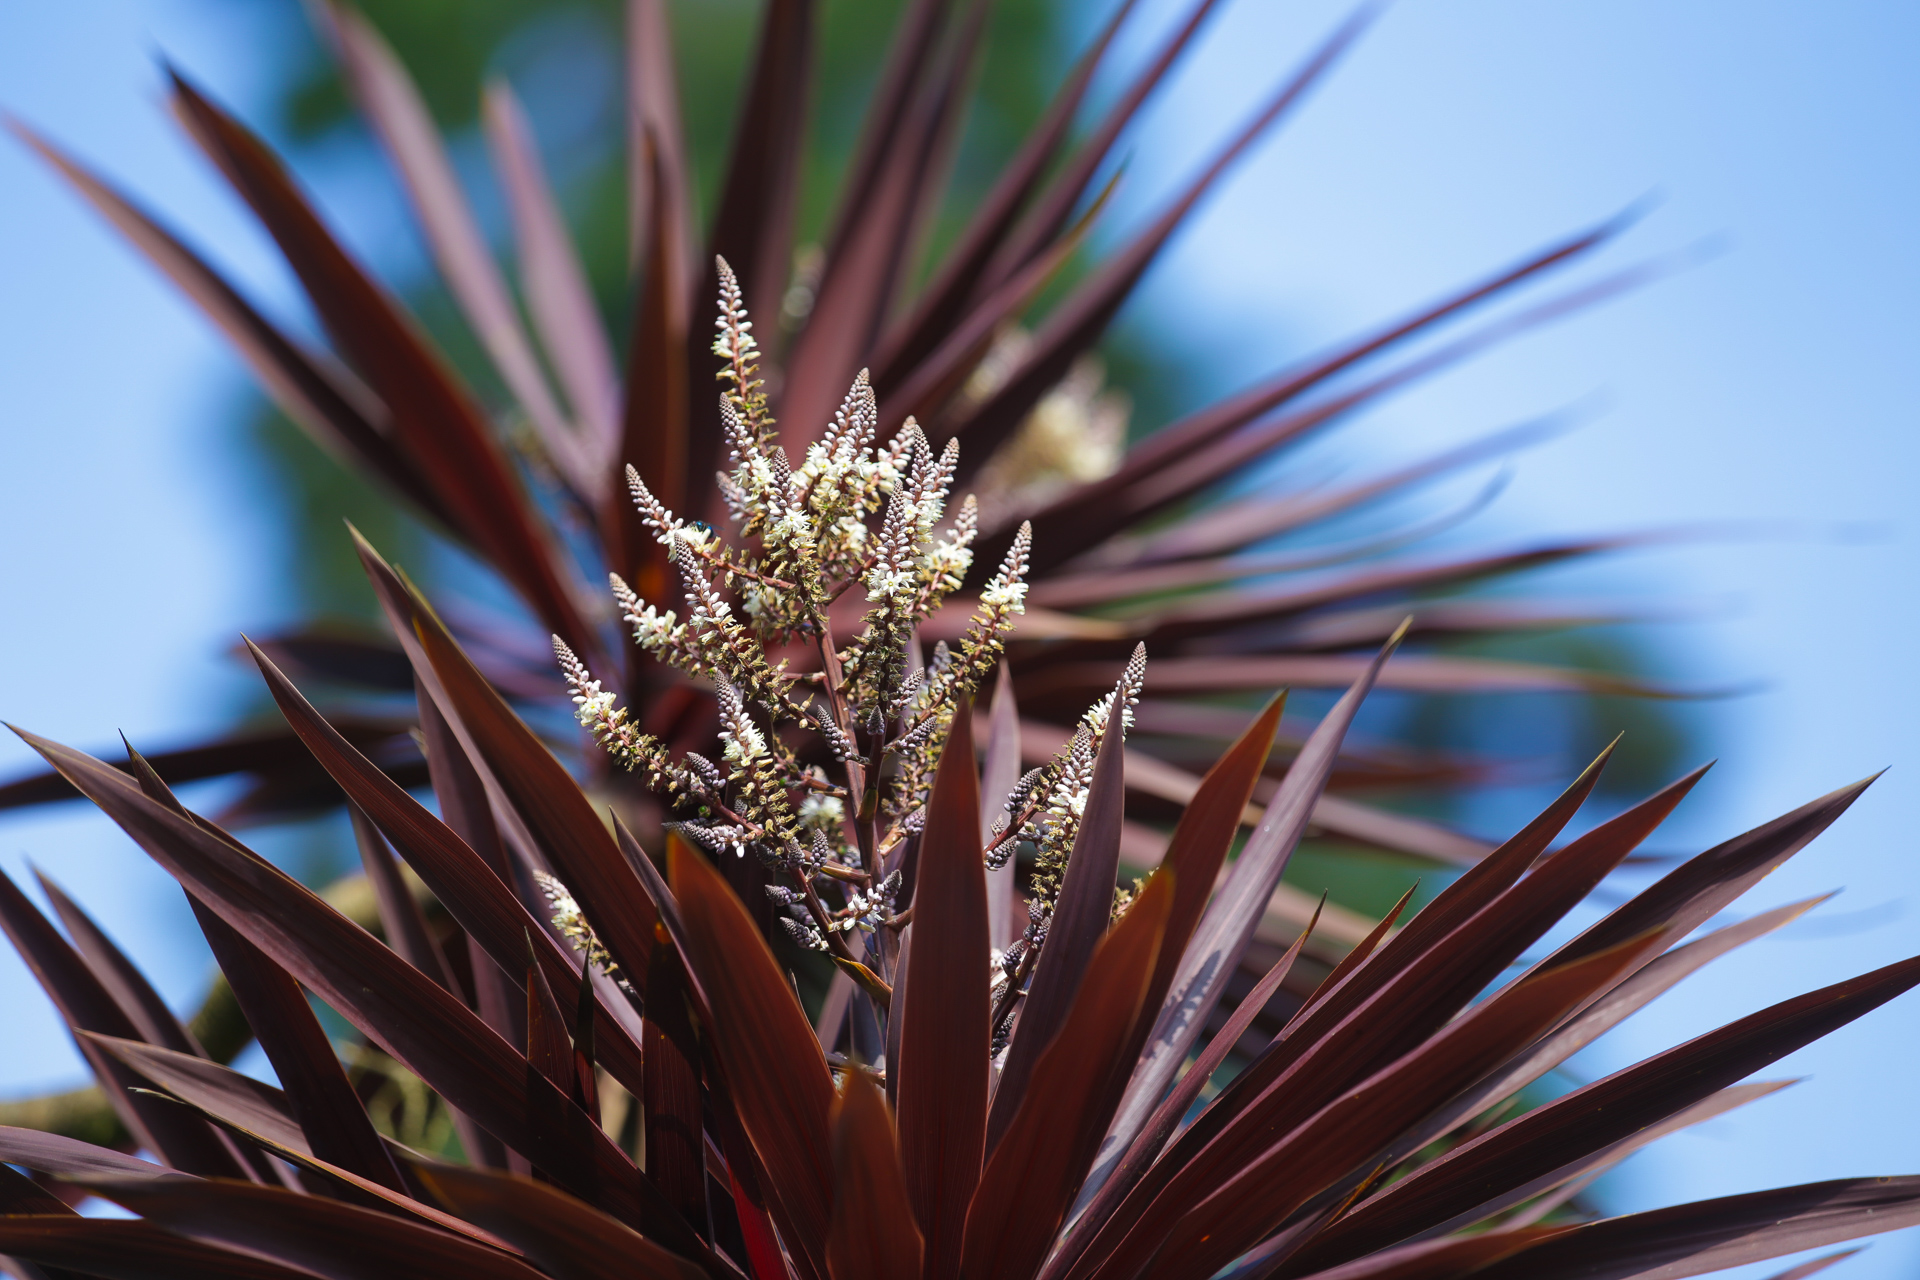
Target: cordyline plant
[637, 1090]
[577, 1064]
[1152, 545]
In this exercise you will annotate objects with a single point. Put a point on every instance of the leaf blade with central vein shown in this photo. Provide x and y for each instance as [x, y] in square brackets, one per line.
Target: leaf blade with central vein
[945, 1009]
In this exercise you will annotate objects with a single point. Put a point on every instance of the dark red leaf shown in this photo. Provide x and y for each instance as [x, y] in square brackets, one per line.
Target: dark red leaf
[1199, 847]
[1218, 941]
[1210, 1213]
[549, 1051]
[872, 1236]
[331, 405]
[566, 1238]
[944, 300]
[1441, 1259]
[469, 887]
[184, 1141]
[284, 1025]
[653, 121]
[395, 1005]
[322, 1098]
[557, 813]
[391, 103]
[1344, 1039]
[1079, 321]
[264, 1116]
[925, 388]
[1612, 1109]
[775, 1071]
[676, 1159]
[1608, 1011]
[1080, 919]
[1186, 474]
[130, 1251]
[1000, 771]
[1031, 1177]
[1362, 952]
[1123, 1168]
[1421, 673]
[1696, 890]
[433, 417]
[753, 226]
[401, 919]
[887, 116]
[655, 426]
[57, 1154]
[1708, 1235]
[1814, 1266]
[555, 284]
[20, 1194]
[333, 1239]
[1053, 210]
[944, 1011]
[129, 987]
[1228, 528]
[276, 754]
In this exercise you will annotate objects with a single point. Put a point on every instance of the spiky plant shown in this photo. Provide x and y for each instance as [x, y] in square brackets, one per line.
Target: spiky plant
[624, 1083]
[830, 647]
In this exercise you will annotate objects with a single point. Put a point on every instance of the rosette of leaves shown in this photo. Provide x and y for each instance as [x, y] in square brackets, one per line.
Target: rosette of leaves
[629, 1086]
[982, 336]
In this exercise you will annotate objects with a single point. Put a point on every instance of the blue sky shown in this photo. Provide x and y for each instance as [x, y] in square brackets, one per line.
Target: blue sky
[1776, 382]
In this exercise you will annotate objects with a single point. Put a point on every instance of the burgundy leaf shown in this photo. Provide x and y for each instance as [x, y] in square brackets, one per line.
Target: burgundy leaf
[57, 1154]
[129, 987]
[1207, 1215]
[1612, 1109]
[1199, 848]
[392, 104]
[130, 1251]
[775, 1071]
[1123, 1168]
[1709, 1235]
[183, 1141]
[551, 276]
[329, 403]
[566, 1238]
[471, 890]
[872, 1236]
[753, 226]
[655, 427]
[1221, 937]
[262, 1114]
[944, 1012]
[340, 1241]
[324, 1103]
[395, 1005]
[437, 422]
[1031, 1177]
[1000, 770]
[945, 297]
[1080, 919]
[1079, 321]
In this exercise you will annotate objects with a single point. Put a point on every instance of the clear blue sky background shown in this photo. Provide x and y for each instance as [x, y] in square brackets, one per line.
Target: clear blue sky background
[1777, 382]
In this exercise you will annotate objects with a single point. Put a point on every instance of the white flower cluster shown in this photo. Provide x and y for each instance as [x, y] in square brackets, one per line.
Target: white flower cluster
[854, 515]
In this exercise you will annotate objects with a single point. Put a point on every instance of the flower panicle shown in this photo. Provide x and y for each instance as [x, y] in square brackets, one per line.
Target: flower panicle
[822, 785]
